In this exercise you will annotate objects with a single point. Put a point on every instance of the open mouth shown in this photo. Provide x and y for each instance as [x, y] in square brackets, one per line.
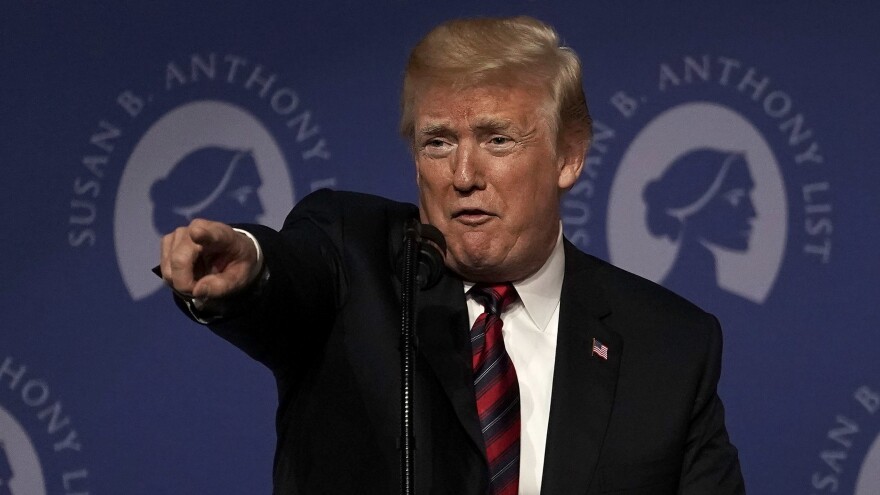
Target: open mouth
[472, 216]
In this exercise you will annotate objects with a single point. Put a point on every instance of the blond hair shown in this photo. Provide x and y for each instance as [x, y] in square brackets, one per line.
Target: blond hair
[468, 52]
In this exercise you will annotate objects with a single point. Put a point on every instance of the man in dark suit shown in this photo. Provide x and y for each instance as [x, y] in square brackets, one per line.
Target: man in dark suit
[575, 376]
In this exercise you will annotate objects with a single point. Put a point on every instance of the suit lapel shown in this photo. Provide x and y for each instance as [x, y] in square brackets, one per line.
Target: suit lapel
[583, 384]
[442, 339]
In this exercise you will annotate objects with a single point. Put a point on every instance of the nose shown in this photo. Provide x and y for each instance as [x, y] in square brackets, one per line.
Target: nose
[467, 173]
[750, 207]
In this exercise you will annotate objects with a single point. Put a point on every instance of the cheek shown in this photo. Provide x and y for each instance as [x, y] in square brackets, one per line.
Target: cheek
[430, 205]
[429, 177]
[538, 196]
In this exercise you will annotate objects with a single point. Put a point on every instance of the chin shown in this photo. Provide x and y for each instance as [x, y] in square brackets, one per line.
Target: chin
[475, 268]
[472, 264]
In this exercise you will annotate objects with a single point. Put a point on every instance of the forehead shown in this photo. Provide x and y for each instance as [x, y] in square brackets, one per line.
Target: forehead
[444, 104]
[739, 174]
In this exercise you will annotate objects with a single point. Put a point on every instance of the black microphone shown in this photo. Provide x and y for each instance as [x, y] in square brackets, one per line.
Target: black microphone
[431, 252]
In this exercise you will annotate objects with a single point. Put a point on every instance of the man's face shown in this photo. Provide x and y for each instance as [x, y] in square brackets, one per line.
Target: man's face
[490, 175]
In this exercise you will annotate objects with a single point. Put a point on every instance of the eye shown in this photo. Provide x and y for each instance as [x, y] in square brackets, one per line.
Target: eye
[242, 194]
[436, 147]
[499, 142]
[734, 196]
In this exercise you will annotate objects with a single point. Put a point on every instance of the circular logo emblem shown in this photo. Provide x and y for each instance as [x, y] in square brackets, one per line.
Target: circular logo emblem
[225, 166]
[868, 480]
[853, 433]
[699, 197]
[707, 181]
[20, 469]
[39, 444]
[225, 139]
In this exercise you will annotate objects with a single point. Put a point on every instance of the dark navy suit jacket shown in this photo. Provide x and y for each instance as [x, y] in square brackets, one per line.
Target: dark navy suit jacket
[647, 420]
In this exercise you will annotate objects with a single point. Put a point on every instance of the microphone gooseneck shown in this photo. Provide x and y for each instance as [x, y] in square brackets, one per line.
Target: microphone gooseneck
[421, 268]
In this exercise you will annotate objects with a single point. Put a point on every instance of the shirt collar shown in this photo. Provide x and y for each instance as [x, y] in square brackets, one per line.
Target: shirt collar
[540, 292]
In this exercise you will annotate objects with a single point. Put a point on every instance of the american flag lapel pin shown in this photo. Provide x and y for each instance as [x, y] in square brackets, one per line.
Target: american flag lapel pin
[599, 349]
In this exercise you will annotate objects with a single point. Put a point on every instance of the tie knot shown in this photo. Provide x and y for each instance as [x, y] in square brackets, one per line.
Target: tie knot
[495, 298]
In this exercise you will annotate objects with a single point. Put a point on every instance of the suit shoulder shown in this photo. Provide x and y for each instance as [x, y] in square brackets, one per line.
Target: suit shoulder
[627, 292]
[655, 324]
[326, 206]
[349, 202]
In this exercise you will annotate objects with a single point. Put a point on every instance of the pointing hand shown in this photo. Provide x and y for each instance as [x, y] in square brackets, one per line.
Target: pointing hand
[208, 260]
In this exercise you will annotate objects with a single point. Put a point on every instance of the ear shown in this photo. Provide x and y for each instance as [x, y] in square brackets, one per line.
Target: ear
[572, 152]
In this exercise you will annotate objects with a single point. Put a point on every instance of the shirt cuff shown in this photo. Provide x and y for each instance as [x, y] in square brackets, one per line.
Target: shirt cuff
[256, 245]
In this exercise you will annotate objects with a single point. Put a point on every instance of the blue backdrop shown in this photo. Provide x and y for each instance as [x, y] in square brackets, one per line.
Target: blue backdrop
[112, 110]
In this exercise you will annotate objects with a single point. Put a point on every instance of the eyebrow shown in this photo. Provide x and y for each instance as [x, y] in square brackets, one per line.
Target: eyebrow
[493, 125]
[486, 125]
[433, 129]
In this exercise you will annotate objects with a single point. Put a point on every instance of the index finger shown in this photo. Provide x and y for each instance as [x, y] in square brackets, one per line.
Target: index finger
[207, 233]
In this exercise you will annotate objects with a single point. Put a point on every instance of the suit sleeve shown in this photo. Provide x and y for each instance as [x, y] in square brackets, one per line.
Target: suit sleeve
[285, 324]
[711, 464]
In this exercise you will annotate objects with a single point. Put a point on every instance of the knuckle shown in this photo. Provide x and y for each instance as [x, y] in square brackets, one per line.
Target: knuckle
[200, 223]
[181, 258]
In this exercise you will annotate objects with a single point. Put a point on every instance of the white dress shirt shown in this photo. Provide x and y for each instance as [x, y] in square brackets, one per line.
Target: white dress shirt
[530, 329]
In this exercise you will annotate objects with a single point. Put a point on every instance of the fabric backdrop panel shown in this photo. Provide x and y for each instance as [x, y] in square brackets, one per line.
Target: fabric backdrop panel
[733, 161]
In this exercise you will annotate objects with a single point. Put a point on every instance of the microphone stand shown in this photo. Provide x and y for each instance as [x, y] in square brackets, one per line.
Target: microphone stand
[422, 259]
[408, 292]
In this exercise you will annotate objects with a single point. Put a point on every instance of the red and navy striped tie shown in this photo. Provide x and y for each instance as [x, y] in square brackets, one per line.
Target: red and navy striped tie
[496, 388]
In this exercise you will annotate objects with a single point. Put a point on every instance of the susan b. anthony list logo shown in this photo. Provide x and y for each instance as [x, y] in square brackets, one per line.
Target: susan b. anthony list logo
[706, 180]
[213, 136]
[848, 458]
[40, 450]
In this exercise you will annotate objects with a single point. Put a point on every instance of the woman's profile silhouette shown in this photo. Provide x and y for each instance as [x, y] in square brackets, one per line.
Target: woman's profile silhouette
[211, 182]
[703, 199]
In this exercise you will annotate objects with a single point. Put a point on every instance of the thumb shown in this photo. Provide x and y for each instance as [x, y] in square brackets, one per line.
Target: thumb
[214, 286]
